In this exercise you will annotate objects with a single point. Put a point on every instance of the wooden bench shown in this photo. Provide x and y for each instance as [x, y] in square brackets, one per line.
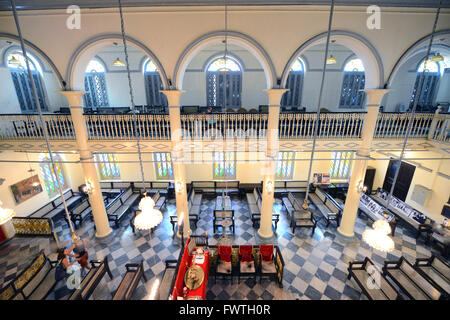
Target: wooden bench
[152, 187]
[224, 219]
[297, 216]
[114, 186]
[255, 210]
[374, 211]
[121, 205]
[168, 279]
[285, 187]
[33, 283]
[31, 227]
[160, 201]
[92, 279]
[194, 204]
[55, 208]
[411, 282]
[436, 271]
[216, 187]
[205, 187]
[80, 212]
[326, 206]
[364, 279]
[130, 281]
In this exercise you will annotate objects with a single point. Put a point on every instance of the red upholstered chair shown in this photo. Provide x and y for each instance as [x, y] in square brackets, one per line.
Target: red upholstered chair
[246, 262]
[267, 267]
[224, 266]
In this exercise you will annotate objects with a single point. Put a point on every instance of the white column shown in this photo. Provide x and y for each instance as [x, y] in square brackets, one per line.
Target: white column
[265, 229]
[86, 158]
[374, 97]
[173, 99]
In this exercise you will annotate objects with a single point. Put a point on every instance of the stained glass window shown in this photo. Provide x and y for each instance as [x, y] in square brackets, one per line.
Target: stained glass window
[285, 165]
[341, 165]
[163, 165]
[108, 166]
[225, 165]
[48, 175]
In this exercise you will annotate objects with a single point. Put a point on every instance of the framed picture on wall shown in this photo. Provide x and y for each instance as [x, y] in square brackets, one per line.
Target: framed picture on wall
[26, 189]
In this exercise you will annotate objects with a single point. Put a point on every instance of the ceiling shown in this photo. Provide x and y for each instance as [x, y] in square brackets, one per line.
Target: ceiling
[63, 4]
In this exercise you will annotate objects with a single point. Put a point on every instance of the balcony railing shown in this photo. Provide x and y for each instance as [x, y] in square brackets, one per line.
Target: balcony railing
[30, 127]
[395, 125]
[330, 125]
[239, 125]
[121, 126]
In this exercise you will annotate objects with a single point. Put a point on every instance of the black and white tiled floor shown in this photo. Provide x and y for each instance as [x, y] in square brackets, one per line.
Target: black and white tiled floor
[316, 265]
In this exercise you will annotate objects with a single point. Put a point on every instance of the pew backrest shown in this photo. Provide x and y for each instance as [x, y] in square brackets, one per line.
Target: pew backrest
[81, 207]
[419, 280]
[156, 197]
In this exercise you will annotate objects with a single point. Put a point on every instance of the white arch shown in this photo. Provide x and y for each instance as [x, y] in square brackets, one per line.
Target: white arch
[90, 48]
[373, 66]
[234, 38]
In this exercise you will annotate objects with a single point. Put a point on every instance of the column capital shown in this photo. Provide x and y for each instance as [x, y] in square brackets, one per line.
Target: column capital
[73, 97]
[275, 95]
[374, 96]
[173, 97]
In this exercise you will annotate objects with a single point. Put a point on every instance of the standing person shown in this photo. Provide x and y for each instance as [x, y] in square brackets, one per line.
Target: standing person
[63, 264]
[79, 248]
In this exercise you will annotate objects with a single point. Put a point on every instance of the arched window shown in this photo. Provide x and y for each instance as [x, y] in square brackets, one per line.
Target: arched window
[163, 165]
[18, 68]
[341, 165]
[108, 166]
[224, 165]
[354, 80]
[429, 86]
[153, 85]
[285, 165]
[224, 83]
[95, 85]
[294, 83]
[48, 175]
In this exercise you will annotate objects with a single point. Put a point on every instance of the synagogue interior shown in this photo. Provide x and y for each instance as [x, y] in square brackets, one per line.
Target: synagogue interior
[224, 150]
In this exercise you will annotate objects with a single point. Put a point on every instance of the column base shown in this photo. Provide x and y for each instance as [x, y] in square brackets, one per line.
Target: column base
[346, 238]
[265, 236]
[105, 237]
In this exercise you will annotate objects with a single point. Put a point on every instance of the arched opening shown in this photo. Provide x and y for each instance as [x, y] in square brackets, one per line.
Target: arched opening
[294, 83]
[354, 80]
[405, 77]
[109, 51]
[16, 95]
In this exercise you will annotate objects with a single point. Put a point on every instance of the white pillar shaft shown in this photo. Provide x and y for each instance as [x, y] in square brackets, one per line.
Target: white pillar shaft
[275, 95]
[347, 225]
[87, 163]
[179, 172]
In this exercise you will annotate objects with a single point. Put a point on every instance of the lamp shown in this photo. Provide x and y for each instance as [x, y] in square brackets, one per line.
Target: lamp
[149, 216]
[437, 57]
[13, 60]
[305, 204]
[269, 186]
[5, 214]
[87, 188]
[118, 63]
[179, 186]
[331, 59]
[361, 187]
[382, 225]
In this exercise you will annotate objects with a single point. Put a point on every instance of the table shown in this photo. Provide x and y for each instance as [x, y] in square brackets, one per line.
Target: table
[220, 203]
[186, 262]
[441, 236]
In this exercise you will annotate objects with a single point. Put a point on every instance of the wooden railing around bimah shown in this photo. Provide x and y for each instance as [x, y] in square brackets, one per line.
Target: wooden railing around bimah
[237, 125]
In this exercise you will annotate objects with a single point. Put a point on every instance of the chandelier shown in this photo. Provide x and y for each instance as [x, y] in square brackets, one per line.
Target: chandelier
[149, 216]
[378, 237]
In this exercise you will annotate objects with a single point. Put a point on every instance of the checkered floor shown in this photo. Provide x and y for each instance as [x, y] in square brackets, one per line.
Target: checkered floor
[316, 265]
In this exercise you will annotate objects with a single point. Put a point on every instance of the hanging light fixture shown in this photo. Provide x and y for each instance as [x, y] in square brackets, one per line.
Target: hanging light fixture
[224, 67]
[149, 216]
[378, 237]
[331, 59]
[13, 61]
[437, 57]
[5, 214]
[31, 171]
[118, 63]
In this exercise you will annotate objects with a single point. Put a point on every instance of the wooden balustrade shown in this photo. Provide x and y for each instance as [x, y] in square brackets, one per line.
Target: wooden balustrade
[237, 125]
[395, 125]
[30, 127]
[331, 125]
